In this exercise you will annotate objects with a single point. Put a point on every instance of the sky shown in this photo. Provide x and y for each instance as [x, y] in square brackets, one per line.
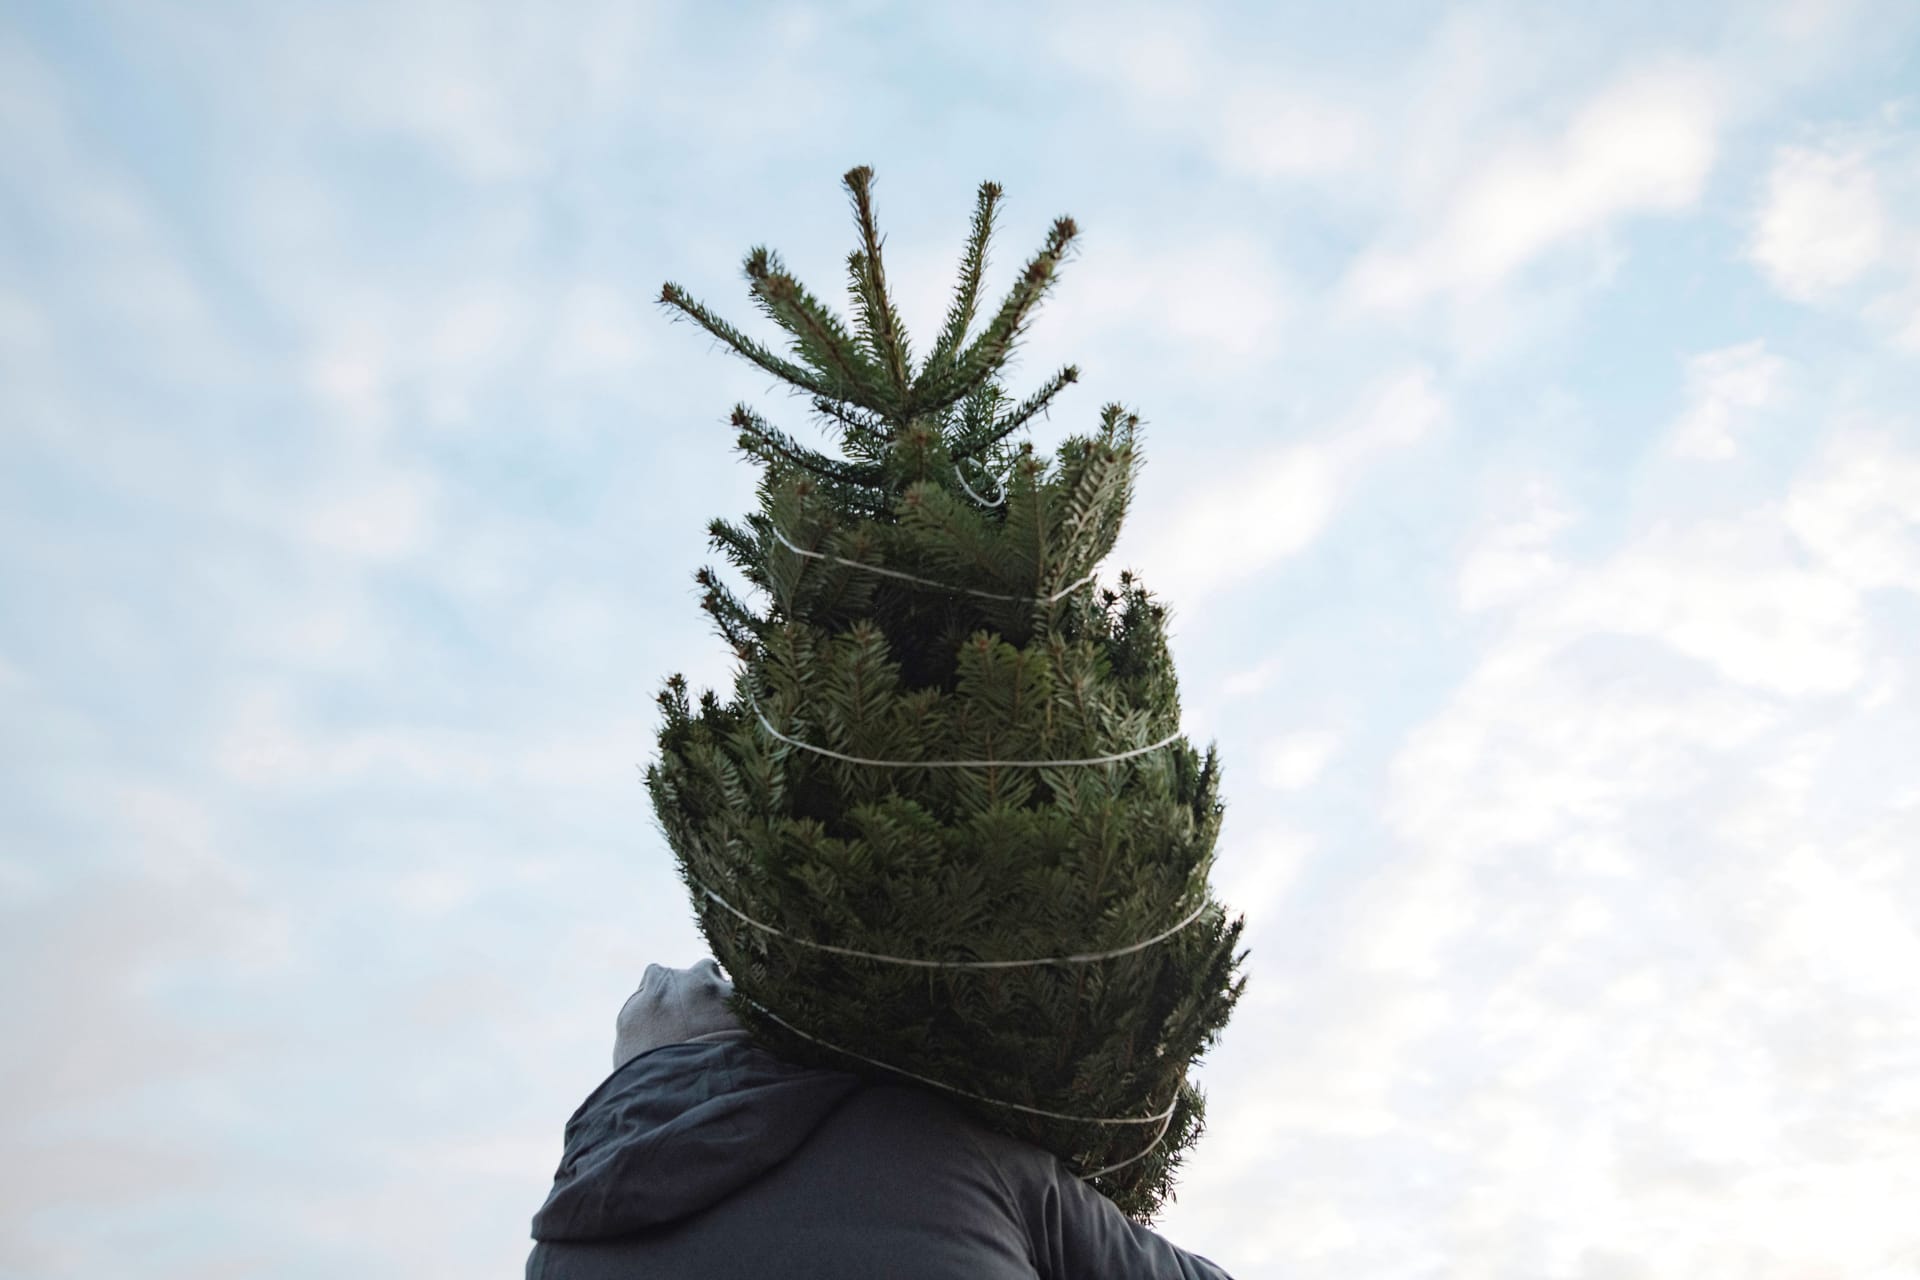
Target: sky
[1532, 470]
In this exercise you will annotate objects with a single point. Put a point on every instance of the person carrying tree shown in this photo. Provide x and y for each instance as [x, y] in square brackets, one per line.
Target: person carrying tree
[946, 836]
[705, 1156]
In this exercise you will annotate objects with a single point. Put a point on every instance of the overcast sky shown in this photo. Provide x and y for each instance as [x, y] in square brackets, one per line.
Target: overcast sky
[1532, 467]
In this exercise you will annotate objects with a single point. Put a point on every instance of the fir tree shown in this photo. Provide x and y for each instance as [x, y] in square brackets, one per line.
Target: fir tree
[946, 827]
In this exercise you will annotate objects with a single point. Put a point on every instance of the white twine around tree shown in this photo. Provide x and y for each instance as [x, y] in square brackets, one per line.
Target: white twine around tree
[955, 764]
[1165, 1123]
[1164, 1118]
[1067, 590]
[999, 501]
[1085, 958]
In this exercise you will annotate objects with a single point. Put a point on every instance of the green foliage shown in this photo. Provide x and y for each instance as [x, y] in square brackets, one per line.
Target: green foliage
[901, 618]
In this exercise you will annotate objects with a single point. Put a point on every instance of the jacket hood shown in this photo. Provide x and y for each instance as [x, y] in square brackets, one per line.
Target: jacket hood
[672, 1006]
[677, 1129]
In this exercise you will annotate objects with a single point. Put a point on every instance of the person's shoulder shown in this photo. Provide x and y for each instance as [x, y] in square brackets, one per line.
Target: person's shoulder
[881, 1098]
[932, 1116]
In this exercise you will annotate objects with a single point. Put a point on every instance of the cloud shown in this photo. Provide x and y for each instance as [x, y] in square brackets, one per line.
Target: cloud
[124, 285]
[1837, 225]
[1592, 703]
[493, 93]
[598, 331]
[66, 1172]
[1822, 223]
[1724, 387]
[429, 345]
[1645, 144]
[94, 1036]
[1253, 679]
[1729, 593]
[1253, 874]
[1512, 560]
[388, 519]
[1652, 849]
[1275, 504]
[1157, 53]
[1858, 507]
[1906, 324]
[1339, 1074]
[1269, 133]
[1217, 301]
[263, 740]
[1273, 509]
[1294, 760]
[1174, 71]
[24, 331]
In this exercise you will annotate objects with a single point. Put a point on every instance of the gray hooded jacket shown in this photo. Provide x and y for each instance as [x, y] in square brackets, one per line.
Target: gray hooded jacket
[709, 1157]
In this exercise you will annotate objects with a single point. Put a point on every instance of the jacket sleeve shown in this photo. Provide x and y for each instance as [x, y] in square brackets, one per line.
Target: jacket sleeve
[1078, 1234]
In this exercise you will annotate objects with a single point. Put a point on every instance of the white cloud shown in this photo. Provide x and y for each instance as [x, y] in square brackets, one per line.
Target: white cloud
[1552, 736]
[1514, 559]
[262, 741]
[349, 384]
[171, 833]
[261, 744]
[1402, 410]
[1724, 388]
[1645, 144]
[462, 339]
[1662, 871]
[1156, 52]
[1906, 333]
[1340, 1074]
[1272, 509]
[597, 331]
[433, 890]
[494, 92]
[1821, 222]
[1849, 927]
[24, 331]
[385, 517]
[1410, 915]
[1274, 505]
[1591, 705]
[1220, 298]
[1253, 679]
[1175, 72]
[104, 954]
[1732, 594]
[1253, 873]
[1838, 225]
[1264, 132]
[1223, 294]
[1295, 760]
[1858, 508]
[124, 280]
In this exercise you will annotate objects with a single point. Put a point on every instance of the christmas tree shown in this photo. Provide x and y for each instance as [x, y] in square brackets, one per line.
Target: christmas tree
[946, 829]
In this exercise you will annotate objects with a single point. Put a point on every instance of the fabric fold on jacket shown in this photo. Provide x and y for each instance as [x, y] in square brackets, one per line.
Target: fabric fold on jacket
[716, 1159]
